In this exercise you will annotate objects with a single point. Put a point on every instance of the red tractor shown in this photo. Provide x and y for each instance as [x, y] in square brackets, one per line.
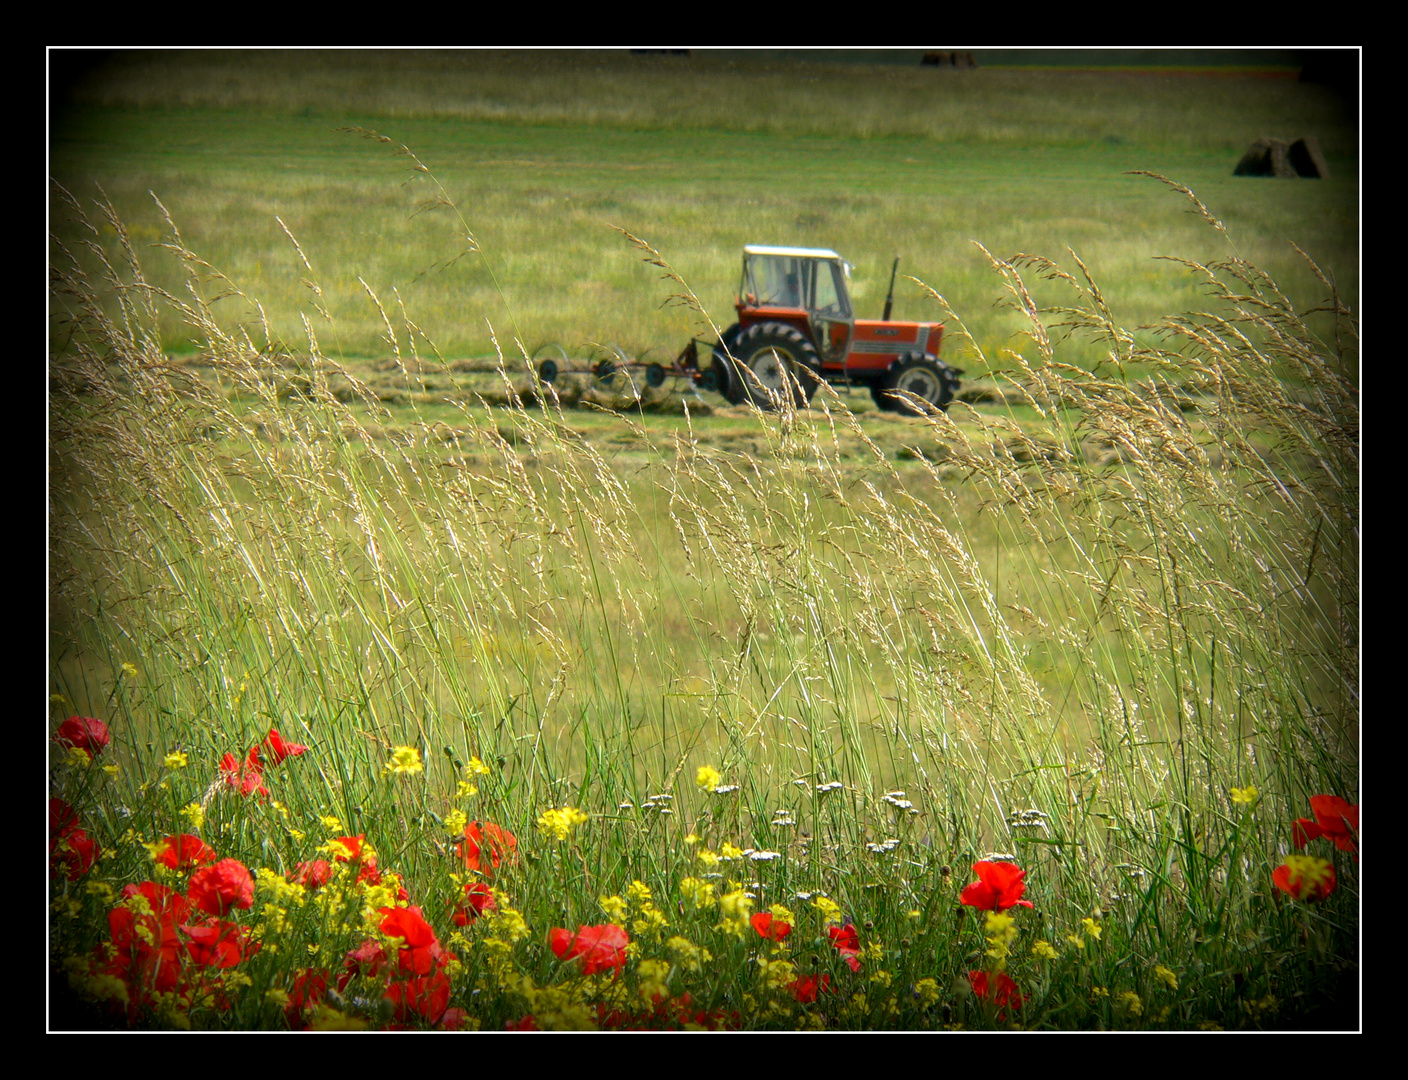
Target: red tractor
[796, 327]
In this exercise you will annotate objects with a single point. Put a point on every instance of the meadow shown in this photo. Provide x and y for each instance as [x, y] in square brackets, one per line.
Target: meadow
[417, 703]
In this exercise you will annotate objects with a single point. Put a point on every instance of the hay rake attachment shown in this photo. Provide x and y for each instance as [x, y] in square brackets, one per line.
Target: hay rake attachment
[553, 362]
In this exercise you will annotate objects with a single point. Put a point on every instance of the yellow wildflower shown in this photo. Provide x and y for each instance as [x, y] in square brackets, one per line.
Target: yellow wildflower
[112, 770]
[405, 759]
[1165, 976]
[735, 907]
[455, 821]
[559, 824]
[688, 955]
[776, 973]
[707, 778]
[615, 908]
[1092, 928]
[707, 857]
[830, 910]
[654, 976]
[1130, 1002]
[475, 767]
[638, 892]
[1243, 796]
[651, 922]
[194, 814]
[130, 670]
[175, 760]
[466, 790]
[698, 892]
[927, 991]
[1042, 950]
[331, 823]
[326, 1018]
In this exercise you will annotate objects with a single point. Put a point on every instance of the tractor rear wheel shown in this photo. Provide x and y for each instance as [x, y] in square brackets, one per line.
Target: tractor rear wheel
[772, 360]
[914, 373]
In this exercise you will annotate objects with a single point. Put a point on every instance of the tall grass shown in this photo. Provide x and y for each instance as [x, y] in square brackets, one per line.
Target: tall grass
[1176, 620]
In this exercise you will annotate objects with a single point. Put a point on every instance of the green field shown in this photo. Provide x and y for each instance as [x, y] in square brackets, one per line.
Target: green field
[1100, 619]
[543, 153]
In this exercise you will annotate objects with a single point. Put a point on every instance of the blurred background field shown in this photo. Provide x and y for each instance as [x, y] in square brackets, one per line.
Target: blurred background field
[542, 151]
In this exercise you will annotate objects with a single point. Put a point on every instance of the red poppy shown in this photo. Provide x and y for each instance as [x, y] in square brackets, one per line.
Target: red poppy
[354, 849]
[73, 851]
[1000, 989]
[1304, 877]
[368, 958]
[312, 875]
[421, 952]
[84, 733]
[246, 780]
[351, 847]
[805, 988]
[600, 947]
[485, 846]
[478, 898]
[276, 749]
[426, 997]
[847, 944]
[218, 944]
[184, 852]
[999, 886]
[166, 904]
[769, 927]
[1334, 818]
[216, 889]
[308, 989]
[527, 1023]
[148, 948]
[61, 816]
[454, 1020]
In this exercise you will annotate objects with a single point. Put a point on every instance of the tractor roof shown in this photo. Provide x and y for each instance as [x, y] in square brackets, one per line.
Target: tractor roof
[795, 252]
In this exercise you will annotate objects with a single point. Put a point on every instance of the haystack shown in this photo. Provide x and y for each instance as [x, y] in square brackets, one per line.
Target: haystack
[949, 59]
[1277, 157]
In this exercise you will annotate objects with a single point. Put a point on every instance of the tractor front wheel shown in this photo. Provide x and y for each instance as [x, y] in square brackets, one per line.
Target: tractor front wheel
[773, 360]
[929, 380]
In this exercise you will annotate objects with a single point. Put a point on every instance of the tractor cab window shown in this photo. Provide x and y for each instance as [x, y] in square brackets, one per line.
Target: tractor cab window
[831, 293]
[780, 280]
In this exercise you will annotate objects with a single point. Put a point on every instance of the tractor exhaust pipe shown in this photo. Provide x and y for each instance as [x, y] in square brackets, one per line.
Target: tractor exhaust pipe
[890, 299]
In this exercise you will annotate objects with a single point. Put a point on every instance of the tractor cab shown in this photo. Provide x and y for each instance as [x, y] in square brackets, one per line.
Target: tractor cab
[801, 287]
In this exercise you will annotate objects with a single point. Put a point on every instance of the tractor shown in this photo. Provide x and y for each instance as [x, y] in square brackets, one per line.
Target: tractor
[796, 327]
